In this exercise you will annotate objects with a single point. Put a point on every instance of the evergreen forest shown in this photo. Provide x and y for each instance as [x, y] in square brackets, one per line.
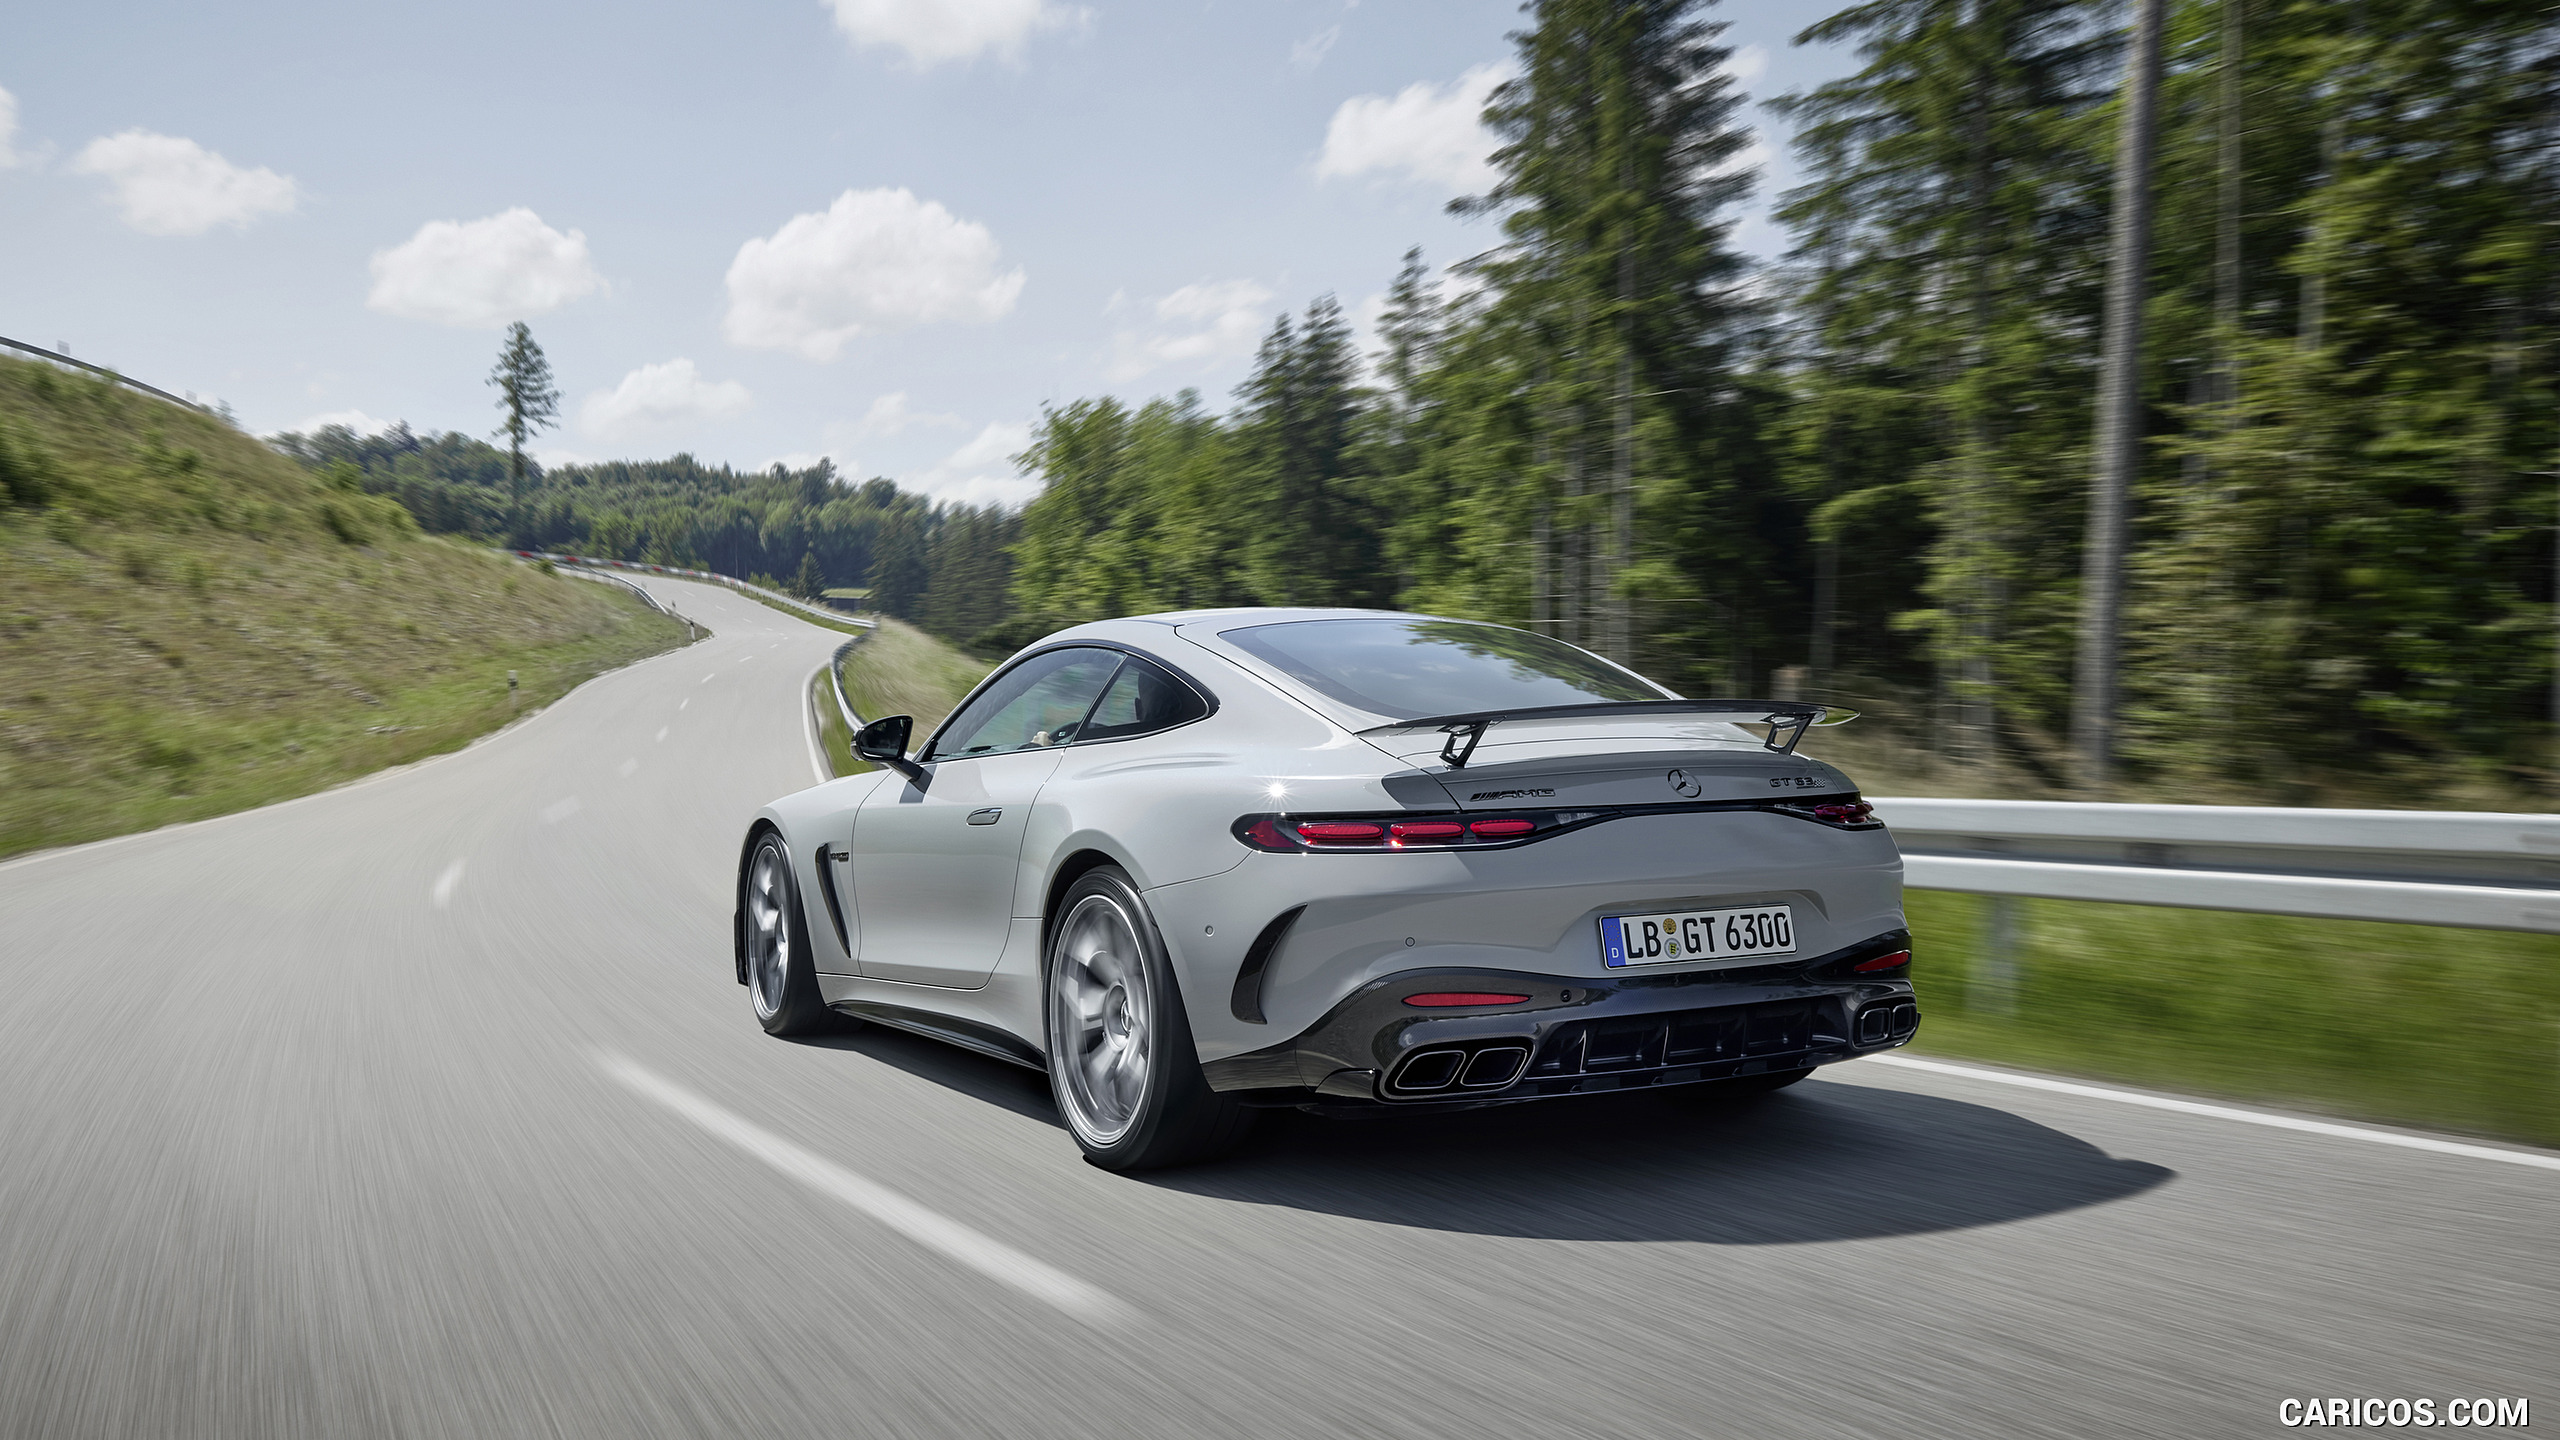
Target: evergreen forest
[1861, 472]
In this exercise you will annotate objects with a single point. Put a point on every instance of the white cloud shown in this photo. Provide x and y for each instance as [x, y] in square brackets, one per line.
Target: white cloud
[1426, 133]
[981, 472]
[804, 459]
[355, 420]
[891, 413]
[1309, 53]
[935, 31]
[1207, 322]
[656, 396]
[874, 260]
[169, 186]
[1746, 64]
[10, 155]
[483, 273]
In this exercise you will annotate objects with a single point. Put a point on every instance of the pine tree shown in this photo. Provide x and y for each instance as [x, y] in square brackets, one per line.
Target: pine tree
[1312, 538]
[526, 394]
[1614, 310]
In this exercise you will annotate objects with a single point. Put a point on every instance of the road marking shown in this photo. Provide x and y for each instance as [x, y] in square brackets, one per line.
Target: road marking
[662, 732]
[628, 766]
[445, 882]
[559, 810]
[2226, 1112]
[686, 701]
[707, 679]
[989, 1257]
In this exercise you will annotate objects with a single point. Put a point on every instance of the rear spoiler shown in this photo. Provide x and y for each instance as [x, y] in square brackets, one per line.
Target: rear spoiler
[1787, 720]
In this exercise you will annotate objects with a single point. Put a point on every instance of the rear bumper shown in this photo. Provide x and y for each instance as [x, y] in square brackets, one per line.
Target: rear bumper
[1578, 1036]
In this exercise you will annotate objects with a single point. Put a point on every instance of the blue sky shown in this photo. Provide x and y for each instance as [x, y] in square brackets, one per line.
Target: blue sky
[887, 231]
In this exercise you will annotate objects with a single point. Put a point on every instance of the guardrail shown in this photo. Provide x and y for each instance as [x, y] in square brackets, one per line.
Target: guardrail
[2421, 867]
[61, 359]
[714, 576]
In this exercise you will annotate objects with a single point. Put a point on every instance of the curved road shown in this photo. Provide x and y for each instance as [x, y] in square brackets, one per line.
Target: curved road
[429, 1107]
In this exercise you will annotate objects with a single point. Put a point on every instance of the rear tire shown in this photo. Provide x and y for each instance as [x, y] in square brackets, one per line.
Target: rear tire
[1121, 1060]
[780, 977]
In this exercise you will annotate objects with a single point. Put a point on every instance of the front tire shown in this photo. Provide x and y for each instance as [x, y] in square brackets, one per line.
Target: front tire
[780, 976]
[1121, 1062]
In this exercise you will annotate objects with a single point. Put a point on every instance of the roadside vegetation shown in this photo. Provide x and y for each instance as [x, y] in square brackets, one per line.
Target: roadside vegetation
[194, 625]
[895, 670]
[2405, 1024]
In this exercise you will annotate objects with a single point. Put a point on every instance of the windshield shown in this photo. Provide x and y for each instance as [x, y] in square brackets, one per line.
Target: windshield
[1405, 669]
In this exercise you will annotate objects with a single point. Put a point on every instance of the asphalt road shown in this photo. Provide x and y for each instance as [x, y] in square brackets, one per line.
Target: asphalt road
[429, 1107]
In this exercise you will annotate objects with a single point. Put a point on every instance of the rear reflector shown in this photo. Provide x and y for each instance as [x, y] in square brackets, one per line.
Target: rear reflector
[1266, 835]
[1502, 829]
[1894, 961]
[1341, 832]
[1427, 830]
[1439, 998]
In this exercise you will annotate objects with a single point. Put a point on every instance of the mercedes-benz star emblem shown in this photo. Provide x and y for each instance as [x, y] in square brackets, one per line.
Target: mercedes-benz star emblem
[1686, 783]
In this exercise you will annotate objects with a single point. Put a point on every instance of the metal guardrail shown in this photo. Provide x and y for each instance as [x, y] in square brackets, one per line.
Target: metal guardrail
[2420, 867]
[714, 576]
[61, 359]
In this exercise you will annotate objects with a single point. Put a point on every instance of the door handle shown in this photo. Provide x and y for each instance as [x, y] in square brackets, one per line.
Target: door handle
[988, 816]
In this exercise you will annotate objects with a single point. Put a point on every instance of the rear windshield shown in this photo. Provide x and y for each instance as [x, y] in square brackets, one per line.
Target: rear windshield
[1406, 669]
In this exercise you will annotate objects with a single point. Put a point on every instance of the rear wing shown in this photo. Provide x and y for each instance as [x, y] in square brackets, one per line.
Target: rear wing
[1787, 720]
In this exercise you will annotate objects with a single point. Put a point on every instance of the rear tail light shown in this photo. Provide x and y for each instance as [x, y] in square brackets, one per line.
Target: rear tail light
[1894, 961]
[1842, 814]
[1438, 999]
[1283, 835]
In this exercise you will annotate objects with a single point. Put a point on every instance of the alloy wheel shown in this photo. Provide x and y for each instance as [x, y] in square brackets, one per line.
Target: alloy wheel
[1101, 1019]
[768, 929]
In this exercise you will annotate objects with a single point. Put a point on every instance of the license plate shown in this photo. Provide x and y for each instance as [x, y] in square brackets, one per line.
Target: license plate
[1696, 935]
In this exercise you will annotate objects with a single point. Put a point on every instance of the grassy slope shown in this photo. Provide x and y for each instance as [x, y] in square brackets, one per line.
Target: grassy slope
[192, 624]
[2446, 1029]
[896, 670]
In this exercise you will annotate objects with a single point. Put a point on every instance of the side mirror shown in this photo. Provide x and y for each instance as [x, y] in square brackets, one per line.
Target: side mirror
[885, 742]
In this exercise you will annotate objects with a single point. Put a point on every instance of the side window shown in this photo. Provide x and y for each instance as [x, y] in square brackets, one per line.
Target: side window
[1143, 699]
[1040, 702]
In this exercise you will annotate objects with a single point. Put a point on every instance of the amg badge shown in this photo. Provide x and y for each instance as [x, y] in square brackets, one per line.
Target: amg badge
[1509, 795]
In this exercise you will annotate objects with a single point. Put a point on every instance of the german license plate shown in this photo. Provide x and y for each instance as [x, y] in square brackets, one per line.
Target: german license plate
[1697, 935]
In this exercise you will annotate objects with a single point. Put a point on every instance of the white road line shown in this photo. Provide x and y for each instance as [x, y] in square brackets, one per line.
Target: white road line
[2226, 1112]
[707, 679]
[628, 766]
[989, 1257]
[445, 882]
[662, 732]
[559, 810]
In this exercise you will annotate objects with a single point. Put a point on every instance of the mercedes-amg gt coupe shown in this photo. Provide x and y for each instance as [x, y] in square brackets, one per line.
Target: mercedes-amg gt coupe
[1201, 864]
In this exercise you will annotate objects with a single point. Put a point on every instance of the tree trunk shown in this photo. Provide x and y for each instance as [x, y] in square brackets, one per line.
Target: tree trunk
[2119, 427]
[1977, 680]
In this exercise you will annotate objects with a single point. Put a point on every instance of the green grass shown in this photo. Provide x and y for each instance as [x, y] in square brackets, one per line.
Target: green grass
[2404, 1024]
[901, 670]
[834, 741]
[194, 624]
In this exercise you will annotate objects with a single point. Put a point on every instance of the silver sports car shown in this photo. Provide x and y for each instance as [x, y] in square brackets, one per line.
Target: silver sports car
[1199, 864]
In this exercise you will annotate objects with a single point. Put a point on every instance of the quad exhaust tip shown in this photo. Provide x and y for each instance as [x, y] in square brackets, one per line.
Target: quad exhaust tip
[1486, 1067]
